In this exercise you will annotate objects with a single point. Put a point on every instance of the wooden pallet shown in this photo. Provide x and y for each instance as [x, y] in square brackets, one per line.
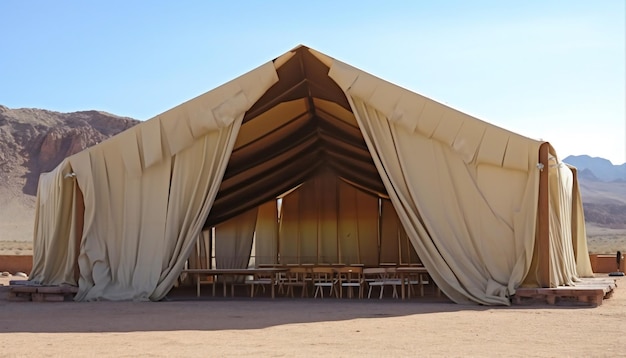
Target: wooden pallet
[591, 291]
[41, 293]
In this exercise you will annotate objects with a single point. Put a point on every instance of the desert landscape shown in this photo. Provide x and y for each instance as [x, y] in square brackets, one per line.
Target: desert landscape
[182, 325]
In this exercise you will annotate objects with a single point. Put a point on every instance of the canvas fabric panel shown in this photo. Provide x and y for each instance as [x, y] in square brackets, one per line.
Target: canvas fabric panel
[54, 228]
[141, 223]
[472, 252]
[579, 232]
[562, 261]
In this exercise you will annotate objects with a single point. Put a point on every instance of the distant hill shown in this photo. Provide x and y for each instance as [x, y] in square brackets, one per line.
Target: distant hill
[601, 168]
[603, 190]
[33, 141]
[604, 203]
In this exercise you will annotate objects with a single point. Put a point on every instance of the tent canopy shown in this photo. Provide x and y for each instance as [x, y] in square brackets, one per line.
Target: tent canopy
[467, 193]
[302, 125]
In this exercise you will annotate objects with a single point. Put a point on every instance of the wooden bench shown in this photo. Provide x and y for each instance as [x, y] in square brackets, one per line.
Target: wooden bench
[41, 293]
[588, 291]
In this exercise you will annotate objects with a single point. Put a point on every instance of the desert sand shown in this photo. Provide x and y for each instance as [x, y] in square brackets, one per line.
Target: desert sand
[184, 326]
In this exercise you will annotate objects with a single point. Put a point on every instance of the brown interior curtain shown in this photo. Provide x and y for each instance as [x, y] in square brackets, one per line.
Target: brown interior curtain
[327, 220]
[233, 241]
[266, 234]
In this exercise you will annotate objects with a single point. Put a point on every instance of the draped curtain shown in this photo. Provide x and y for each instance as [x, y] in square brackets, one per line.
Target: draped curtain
[55, 227]
[471, 251]
[579, 234]
[562, 260]
[147, 193]
[140, 230]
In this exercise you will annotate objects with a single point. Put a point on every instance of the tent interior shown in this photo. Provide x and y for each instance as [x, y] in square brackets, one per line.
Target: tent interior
[310, 160]
[300, 144]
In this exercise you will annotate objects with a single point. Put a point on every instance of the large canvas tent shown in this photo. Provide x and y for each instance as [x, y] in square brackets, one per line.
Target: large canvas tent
[485, 210]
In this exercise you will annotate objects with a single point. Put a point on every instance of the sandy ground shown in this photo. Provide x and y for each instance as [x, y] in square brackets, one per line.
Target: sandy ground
[285, 327]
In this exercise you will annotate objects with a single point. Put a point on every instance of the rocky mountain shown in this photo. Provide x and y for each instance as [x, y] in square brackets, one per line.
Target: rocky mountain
[33, 141]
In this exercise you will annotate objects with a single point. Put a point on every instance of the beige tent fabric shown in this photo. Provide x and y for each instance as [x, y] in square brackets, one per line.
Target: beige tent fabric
[196, 176]
[54, 227]
[579, 233]
[562, 261]
[443, 175]
[147, 193]
[233, 241]
[145, 227]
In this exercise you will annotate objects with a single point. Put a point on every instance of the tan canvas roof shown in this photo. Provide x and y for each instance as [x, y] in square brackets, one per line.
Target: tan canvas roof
[300, 126]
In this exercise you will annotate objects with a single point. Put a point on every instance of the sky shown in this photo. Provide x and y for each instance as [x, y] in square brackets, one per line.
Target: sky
[549, 70]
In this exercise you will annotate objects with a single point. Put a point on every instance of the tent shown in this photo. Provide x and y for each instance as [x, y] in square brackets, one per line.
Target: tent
[345, 155]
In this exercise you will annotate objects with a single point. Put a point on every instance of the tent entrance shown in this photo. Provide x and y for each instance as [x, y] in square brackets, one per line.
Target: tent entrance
[323, 221]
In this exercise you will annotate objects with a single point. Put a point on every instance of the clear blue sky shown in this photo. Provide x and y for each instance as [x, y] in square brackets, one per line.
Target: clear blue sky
[552, 70]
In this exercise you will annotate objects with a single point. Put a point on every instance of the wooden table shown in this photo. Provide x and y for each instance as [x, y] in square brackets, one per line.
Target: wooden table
[405, 273]
[234, 272]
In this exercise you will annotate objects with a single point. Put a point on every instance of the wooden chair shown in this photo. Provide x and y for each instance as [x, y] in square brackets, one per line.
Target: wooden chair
[297, 277]
[206, 280]
[259, 280]
[418, 279]
[381, 277]
[323, 277]
[350, 277]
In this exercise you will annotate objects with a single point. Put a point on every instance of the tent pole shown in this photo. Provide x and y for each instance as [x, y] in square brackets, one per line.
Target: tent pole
[318, 225]
[277, 233]
[212, 254]
[337, 238]
[379, 227]
[543, 232]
